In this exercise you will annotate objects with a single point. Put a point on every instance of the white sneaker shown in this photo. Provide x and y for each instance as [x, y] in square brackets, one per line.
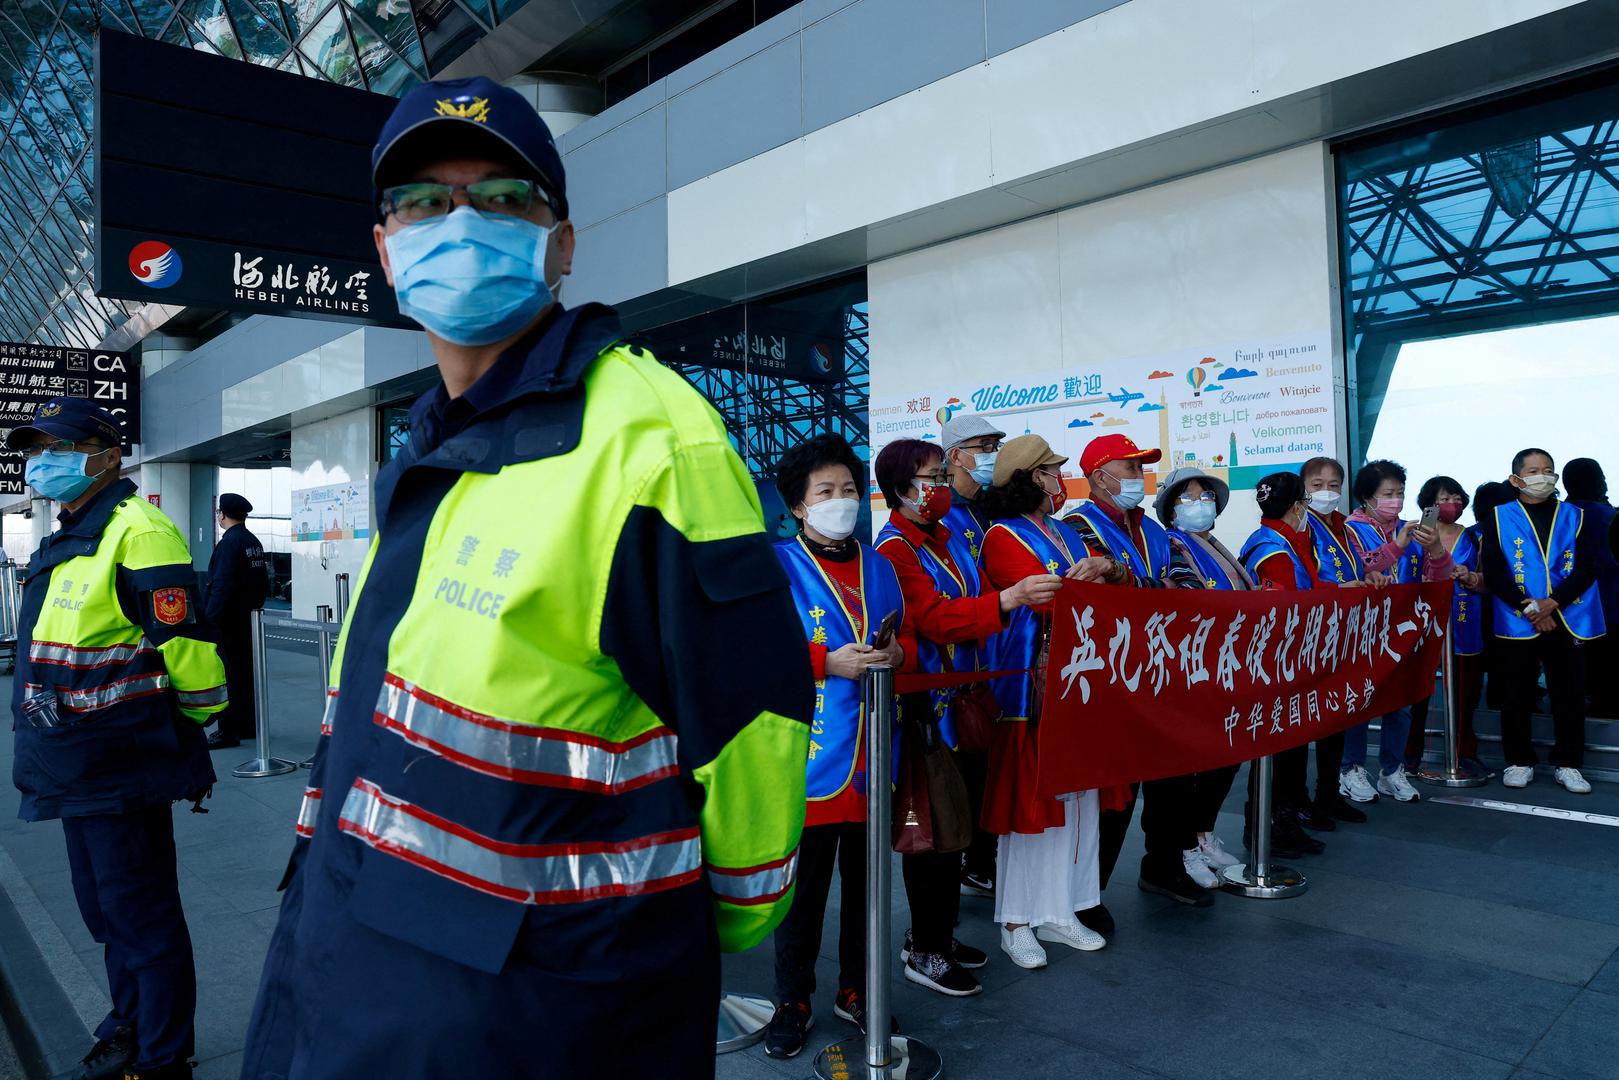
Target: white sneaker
[1197, 869]
[1356, 786]
[1517, 775]
[1214, 853]
[1077, 936]
[1397, 787]
[1021, 946]
[1573, 781]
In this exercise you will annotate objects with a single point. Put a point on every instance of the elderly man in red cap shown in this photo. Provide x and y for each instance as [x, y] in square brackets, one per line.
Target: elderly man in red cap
[1113, 524]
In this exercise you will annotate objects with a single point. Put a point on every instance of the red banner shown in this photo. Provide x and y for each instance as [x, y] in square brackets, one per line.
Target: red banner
[1147, 683]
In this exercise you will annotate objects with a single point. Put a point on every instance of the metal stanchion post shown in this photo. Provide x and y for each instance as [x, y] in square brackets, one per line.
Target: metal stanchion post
[262, 763]
[887, 1057]
[1452, 774]
[342, 591]
[1263, 879]
[323, 641]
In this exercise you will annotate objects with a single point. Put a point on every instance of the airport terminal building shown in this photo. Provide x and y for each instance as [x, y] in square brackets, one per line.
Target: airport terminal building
[1248, 233]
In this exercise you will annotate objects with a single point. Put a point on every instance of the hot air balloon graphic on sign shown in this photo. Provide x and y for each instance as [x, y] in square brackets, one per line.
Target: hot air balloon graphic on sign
[1197, 377]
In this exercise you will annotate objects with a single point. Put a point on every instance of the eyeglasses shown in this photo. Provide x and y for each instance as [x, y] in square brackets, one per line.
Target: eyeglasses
[412, 203]
[59, 446]
[938, 479]
[1192, 500]
[981, 446]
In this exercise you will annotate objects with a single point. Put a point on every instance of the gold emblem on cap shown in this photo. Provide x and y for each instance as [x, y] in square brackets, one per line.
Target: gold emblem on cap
[476, 110]
[51, 409]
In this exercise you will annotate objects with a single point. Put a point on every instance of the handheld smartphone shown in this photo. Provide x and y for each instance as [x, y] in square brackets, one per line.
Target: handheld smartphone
[1430, 517]
[885, 630]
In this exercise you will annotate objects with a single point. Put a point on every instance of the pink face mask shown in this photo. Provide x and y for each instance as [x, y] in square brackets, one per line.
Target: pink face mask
[1389, 509]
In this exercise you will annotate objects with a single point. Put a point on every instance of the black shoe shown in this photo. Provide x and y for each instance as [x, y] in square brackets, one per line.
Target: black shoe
[784, 1038]
[1336, 806]
[180, 1070]
[1289, 840]
[1311, 818]
[1098, 919]
[108, 1057]
[975, 883]
[850, 1005]
[962, 955]
[941, 974]
[221, 741]
[1174, 883]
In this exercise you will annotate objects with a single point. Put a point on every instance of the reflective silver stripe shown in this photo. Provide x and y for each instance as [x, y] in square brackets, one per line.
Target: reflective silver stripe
[754, 885]
[100, 697]
[54, 652]
[526, 873]
[330, 712]
[308, 811]
[216, 696]
[526, 753]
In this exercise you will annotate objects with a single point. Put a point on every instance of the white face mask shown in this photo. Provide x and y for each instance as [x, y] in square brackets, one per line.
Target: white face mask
[834, 518]
[1197, 517]
[1324, 501]
[1539, 487]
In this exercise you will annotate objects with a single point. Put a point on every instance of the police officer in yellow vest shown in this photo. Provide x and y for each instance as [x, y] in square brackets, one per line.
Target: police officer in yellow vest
[568, 713]
[116, 674]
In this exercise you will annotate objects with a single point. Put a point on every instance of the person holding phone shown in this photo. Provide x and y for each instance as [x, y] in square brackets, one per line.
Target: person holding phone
[853, 613]
[1048, 869]
[1542, 564]
[1407, 551]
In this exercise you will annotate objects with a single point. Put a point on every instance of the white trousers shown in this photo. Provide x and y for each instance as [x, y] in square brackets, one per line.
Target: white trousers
[1043, 879]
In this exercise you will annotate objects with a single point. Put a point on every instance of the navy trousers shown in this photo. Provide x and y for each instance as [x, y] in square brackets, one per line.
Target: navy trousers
[129, 897]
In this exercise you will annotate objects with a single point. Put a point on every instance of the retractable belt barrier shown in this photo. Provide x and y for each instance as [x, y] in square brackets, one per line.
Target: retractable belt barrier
[263, 763]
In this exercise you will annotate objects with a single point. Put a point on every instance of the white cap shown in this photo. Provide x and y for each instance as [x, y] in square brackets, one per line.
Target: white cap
[961, 428]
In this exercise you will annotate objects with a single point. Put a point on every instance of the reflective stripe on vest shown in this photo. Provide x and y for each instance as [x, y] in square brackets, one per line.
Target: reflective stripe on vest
[763, 884]
[89, 699]
[83, 658]
[526, 753]
[525, 873]
[308, 811]
[331, 709]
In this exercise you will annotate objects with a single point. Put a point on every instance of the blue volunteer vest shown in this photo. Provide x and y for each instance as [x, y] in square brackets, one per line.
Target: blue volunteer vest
[1405, 572]
[1016, 647]
[962, 521]
[1266, 542]
[1210, 569]
[839, 722]
[1538, 571]
[1467, 609]
[964, 655]
[1155, 567]
[1339, 562]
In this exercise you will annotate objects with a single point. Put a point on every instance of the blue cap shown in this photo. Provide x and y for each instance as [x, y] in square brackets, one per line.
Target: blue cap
[458, 111]
[70, 418]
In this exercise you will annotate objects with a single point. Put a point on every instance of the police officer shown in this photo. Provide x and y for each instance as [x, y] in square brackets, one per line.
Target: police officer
[238, 582]
[568, 712]
[112, 688]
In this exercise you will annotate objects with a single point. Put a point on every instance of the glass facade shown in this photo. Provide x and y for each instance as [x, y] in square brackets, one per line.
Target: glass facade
[46, 102]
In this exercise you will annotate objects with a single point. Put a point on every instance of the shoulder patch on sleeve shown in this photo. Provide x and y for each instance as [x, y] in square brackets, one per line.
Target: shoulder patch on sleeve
[172, 606]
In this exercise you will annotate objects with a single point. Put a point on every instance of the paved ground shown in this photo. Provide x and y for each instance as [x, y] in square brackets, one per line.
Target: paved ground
[1437, 941]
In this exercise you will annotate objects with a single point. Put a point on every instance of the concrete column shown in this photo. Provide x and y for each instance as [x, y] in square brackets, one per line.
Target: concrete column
[562, 99]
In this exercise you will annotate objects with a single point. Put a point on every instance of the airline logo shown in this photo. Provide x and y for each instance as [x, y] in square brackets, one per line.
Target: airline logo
[154, 263]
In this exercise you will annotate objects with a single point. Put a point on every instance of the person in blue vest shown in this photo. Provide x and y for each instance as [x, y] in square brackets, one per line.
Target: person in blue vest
[1466, 620]
[1187, 504]
[1112, 523]
[1587, 488]
[954, 616]
[1407, 552]
[1049, 887]
[1329, 530]
[970, 444]
[1281, 555]
[843, 591]
[1541, 565]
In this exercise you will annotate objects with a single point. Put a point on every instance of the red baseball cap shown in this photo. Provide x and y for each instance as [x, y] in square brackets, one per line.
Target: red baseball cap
[1106, 448]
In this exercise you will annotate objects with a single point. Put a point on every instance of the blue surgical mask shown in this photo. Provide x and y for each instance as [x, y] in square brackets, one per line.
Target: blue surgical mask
[60, 474]
[471, 278]
[1131, 492]
[1197, 517]
[983, 470]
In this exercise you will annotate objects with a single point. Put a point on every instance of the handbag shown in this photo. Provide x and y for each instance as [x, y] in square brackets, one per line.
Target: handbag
[976, 712]
[932, 811]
